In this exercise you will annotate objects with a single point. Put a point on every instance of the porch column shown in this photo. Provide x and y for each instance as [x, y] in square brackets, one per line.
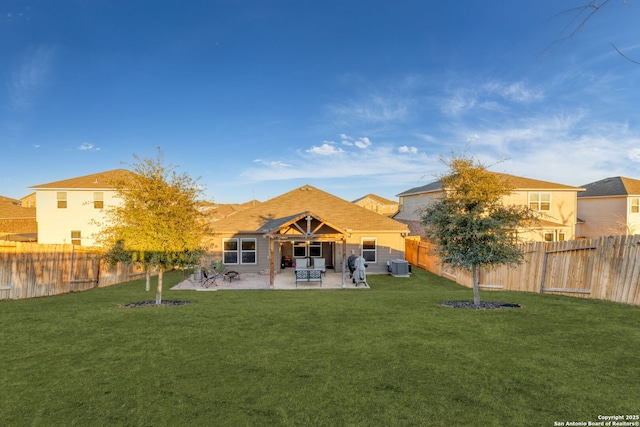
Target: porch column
[272, 267]
[344, 261]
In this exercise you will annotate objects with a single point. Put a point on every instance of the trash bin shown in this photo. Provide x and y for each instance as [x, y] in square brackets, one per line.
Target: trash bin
[197, 274]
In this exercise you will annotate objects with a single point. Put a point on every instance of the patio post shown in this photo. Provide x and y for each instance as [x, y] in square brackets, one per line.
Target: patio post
[272, 270]
[344, 259]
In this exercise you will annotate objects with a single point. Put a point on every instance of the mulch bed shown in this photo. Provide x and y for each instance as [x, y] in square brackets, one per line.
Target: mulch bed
[152, 303]
[484, 305]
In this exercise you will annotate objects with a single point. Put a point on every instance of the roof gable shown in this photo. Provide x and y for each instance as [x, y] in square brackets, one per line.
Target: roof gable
[376, 199]
[612, 186]
[342, 214]
[516, 182]
[101, 180]
[304, 225]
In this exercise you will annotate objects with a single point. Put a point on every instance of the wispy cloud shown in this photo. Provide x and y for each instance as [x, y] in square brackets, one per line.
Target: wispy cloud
[385, 164]
[346, 139]
[517, 92]
[363, 142]
[489, 96]
[407, 150]
[87, 146]
[275, 164]
[634, 154]
[31, 74]
[326, 149]
[373, 109]
[569, 149]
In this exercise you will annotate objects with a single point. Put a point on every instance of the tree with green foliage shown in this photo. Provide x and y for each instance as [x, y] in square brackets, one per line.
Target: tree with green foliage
[469, 224]
[157, 222]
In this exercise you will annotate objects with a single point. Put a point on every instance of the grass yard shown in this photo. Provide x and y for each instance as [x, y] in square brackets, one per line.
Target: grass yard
[381, 357]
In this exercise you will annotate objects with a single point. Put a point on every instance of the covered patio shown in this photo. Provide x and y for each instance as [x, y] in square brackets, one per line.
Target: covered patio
[284, 280]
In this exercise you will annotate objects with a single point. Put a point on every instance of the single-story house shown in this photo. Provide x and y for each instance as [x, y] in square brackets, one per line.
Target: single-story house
[306, 224]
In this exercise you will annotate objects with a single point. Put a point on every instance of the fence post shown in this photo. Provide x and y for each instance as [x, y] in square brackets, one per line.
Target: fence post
[543, 273]
[12, 279]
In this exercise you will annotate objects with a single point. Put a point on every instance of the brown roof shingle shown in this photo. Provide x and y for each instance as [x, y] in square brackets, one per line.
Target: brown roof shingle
[377, 198]
[12, 209]
[101, 180]
[612, 186]
[516, 182]
[341, 213]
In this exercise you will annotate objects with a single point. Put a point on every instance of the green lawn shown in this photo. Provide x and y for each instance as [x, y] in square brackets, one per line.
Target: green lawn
[381, 357]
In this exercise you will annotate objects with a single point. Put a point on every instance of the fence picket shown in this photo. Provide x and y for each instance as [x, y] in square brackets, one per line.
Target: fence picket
[603, 268]
[29, 270]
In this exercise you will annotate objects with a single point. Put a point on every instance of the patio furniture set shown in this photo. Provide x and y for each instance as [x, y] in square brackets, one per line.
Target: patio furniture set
[306, 273]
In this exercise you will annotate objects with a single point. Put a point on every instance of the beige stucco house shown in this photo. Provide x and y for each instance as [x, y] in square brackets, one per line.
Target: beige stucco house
[306, 223]
[610, 206]
[378, 204]
[556, 204]
[67, 209]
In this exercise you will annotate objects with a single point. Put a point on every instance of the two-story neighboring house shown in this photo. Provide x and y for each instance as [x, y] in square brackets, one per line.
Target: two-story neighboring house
[610, 206]
[556, 204]
[66, 210]
[378, 204]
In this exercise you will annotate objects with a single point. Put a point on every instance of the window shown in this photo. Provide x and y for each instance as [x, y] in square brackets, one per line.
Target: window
[540, 201]
[369, 251]
[299, 250]
[62, 199]
[315, 249]
[303, 249]
[248, 251]
[76, 237]
[98, 200]
[635, 205]
[230, 251]
[239, 252]
[549, 236]
[561, 236]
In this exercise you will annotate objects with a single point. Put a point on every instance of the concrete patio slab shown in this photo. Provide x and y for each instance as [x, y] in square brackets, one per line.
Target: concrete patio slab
[283, 281]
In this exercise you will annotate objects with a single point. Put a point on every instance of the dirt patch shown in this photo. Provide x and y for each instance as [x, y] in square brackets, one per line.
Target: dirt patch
[152, 303]
[484, 305]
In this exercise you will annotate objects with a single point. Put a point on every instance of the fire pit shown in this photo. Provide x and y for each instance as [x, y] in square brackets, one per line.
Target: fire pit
[231, 275]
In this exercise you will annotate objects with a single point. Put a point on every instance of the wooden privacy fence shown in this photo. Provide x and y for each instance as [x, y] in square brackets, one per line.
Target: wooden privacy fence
[29, 270]
[604, 268]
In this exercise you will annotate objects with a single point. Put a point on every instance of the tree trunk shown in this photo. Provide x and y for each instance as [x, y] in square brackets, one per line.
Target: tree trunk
[476, 286]
[159, 290]
[148, 287]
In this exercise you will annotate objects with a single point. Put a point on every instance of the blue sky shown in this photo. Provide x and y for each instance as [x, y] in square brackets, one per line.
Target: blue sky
[257, 97]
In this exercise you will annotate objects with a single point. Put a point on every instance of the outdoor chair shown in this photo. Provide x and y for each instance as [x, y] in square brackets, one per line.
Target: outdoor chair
[210, 279]
[319, 264]
[302, 263]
